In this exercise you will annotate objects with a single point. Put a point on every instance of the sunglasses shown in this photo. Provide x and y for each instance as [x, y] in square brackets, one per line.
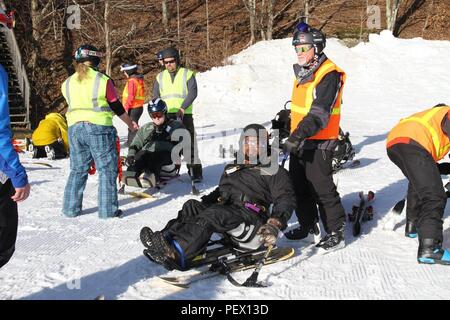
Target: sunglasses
[169, 62]
[303, 48]
[252, 141]
[157, 114]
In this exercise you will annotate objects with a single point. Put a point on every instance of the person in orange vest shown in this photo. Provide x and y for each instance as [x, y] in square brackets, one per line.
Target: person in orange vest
[315, 116]
[414, 145]
[133, 96]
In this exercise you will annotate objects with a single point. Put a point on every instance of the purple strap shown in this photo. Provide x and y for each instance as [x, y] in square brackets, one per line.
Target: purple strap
[252, 207]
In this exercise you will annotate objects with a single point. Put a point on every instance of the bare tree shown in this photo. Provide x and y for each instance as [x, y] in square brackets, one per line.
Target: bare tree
[165, 15]
[306, 12]
[108, 52]
[391, 13]
[430, 10]
[250, 5]
[37, 15]
[178, 19]
[207, 28]
[270, 19]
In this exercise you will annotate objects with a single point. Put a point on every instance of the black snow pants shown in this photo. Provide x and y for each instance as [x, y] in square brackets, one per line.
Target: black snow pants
[8, 222]
[311, 174]
[135, 114]
[194, 166]
[196, 223]
[426, 197]
[146, 161]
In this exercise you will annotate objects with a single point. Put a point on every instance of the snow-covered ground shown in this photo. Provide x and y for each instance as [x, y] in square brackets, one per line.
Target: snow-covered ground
[388, 78]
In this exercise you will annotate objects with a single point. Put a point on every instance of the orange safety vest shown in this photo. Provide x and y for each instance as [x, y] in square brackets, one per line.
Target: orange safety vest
[139, 98]
[303, 97]
[425, 129]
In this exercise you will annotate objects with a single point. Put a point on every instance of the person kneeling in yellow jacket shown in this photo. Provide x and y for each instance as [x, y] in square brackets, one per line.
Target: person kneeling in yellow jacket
[50, 138]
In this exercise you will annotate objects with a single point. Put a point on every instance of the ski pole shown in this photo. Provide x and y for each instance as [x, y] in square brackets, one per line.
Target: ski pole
[194, 189]
[251, 281]
[285, 157]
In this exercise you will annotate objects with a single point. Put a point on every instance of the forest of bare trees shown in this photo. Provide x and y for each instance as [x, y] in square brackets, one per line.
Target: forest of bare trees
[206, 31]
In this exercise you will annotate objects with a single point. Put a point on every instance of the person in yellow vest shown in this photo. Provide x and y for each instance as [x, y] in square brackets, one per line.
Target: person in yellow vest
[93, 101]
[414, 145]
[178, 88]
[315, 116]
[133, 96]
[50, 138]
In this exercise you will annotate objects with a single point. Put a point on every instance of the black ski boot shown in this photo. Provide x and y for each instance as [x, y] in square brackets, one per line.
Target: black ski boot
[146, 236]
[332, 241]
[431, 252]
[196, 173]
[305, 233]
[410, 229]
[158, 249]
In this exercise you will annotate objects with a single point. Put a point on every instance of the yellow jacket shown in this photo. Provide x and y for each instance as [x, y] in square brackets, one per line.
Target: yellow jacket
[53, 127]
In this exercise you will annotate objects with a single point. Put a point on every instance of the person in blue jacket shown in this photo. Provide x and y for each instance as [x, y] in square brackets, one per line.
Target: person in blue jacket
[14, 186]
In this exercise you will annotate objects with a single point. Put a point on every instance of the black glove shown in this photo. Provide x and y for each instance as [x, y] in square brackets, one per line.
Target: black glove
[292, 145]
[444, 168]
[129, 161]
[268, 234]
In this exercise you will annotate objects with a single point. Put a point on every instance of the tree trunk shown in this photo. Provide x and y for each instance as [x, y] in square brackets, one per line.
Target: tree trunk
[207, 28]
[262, 17]
[107, 39]
[306, 11]
[165, 16]
[391, 13]
[35, 21]
[270, 19]
[178, 19]
[430, 10]
[252, 6]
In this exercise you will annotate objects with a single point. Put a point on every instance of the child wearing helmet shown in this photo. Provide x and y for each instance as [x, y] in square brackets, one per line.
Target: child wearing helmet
[149, 154]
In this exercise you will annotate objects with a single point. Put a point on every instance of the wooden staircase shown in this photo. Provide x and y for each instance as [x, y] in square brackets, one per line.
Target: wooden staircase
[18, 85]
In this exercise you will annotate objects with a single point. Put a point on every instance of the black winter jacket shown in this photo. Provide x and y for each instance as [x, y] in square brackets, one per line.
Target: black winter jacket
[240, 182]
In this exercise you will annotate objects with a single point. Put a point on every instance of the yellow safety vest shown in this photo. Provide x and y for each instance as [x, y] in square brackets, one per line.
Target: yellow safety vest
[174, 93]
[303, 97]
[87, 99]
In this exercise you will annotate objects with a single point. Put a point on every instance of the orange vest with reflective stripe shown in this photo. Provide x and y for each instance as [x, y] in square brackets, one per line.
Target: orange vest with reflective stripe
[424, 128]
[139, 98]
[303, 97]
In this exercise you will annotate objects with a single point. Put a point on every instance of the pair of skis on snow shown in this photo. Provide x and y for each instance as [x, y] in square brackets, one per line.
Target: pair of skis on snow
[149, 192]
[362, 212]
[226, 266]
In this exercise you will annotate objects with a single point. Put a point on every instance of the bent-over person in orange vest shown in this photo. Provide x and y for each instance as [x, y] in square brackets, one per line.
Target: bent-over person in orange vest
[414, 145]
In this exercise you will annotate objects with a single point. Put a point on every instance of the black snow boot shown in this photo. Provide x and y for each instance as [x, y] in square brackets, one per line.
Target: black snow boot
[410, 229]
[431, 252]
[159, 249]
[305, 233]
[332, 241]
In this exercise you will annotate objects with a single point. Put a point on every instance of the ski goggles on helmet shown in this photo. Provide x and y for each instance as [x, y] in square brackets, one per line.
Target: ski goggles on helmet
[85, 53]
[157, 114]
[301, 48]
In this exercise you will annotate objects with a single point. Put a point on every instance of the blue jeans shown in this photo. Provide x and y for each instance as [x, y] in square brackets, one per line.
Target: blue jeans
[89, 142]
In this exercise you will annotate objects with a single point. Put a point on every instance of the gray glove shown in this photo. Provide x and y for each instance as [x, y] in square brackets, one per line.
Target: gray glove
[268, 234]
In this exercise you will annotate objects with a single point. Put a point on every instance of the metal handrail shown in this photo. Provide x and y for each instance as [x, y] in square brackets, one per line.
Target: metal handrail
[24, 84]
